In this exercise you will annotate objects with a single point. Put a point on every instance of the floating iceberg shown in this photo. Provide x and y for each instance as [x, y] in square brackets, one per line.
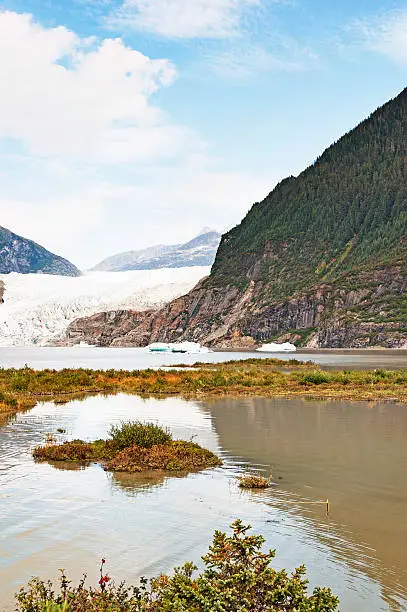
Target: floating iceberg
[158, 347]
[192, 348]
[273, 347]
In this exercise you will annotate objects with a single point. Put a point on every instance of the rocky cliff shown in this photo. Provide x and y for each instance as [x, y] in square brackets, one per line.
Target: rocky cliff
[328, 316]
[321, 261]
[21, 255]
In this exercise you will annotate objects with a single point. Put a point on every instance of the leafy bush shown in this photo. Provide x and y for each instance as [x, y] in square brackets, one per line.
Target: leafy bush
[315, 378]
[135, 433]
[237, 577]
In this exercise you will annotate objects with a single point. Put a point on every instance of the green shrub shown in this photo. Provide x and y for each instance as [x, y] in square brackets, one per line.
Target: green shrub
[237, 576]
[19, 383]
[135, 433]
[315, 378]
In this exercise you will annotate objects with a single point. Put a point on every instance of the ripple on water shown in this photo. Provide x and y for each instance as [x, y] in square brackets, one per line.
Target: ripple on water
[57, 517]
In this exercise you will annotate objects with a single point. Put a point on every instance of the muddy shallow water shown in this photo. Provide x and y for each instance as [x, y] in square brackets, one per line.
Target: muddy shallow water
[355, 454]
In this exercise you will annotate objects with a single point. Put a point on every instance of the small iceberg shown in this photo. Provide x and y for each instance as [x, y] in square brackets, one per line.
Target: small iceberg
[158, 347]
[190, 348]
[273, 347]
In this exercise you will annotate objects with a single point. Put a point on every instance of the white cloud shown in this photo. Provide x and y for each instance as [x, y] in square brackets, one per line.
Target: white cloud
[386, 34]
[184, 18]
[89, 164]
[82, 98]
[241, 63]
[62, 223]
[92, 220]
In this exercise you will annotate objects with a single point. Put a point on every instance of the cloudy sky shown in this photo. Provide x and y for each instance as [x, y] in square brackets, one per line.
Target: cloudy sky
[125, 123]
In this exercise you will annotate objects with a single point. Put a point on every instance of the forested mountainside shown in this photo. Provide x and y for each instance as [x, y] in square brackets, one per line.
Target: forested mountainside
[345, 213]
[19, 254]
[322, 260]
[200, 251]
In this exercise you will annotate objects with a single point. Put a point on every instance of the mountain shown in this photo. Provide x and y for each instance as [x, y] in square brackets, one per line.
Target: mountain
[19, 254]
[200, 251]
[321, 261]
[38, 308]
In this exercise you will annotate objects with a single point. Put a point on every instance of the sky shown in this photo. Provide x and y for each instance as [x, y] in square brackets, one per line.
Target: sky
[128, 123]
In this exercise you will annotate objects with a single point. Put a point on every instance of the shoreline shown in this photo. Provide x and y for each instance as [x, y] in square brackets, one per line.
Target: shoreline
[23, 389]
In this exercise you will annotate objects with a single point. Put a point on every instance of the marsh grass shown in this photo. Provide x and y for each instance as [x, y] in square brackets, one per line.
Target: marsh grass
[264, 362]
[76, 450]
[176, 456]
[253, 481]
[21, 389]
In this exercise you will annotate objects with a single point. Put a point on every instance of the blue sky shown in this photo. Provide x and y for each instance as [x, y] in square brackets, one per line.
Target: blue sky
[125, 123]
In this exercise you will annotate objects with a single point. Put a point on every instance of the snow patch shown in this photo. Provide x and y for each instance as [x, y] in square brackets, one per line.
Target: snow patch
[39, 307]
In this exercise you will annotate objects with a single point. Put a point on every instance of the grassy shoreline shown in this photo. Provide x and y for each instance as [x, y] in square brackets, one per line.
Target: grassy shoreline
[24, 388]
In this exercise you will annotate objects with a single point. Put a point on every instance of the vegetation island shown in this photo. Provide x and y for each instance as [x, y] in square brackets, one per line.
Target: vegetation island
[133, 447]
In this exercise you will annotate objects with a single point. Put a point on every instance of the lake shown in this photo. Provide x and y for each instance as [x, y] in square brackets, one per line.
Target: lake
[136, 358]
[353, 453]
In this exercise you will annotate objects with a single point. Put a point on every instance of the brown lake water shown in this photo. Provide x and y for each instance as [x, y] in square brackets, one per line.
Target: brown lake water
[355, 454]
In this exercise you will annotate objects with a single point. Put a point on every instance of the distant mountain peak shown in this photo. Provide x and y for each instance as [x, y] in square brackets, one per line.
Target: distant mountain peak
[200, 251]
[18, 254]
[206, 230]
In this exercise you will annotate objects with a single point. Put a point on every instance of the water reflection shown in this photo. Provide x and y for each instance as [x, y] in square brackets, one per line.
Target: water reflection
[134, 484]
[67, 466]
[355, 454]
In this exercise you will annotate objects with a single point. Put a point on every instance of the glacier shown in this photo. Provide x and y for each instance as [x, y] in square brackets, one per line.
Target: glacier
[38, 308]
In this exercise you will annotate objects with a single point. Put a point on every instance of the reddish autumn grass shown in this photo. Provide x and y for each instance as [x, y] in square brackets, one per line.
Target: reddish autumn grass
[77, 450]
[175, 456]
[154, 450]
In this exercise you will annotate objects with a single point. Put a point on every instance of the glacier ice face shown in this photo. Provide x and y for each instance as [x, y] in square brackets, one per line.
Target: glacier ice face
[38, 307]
